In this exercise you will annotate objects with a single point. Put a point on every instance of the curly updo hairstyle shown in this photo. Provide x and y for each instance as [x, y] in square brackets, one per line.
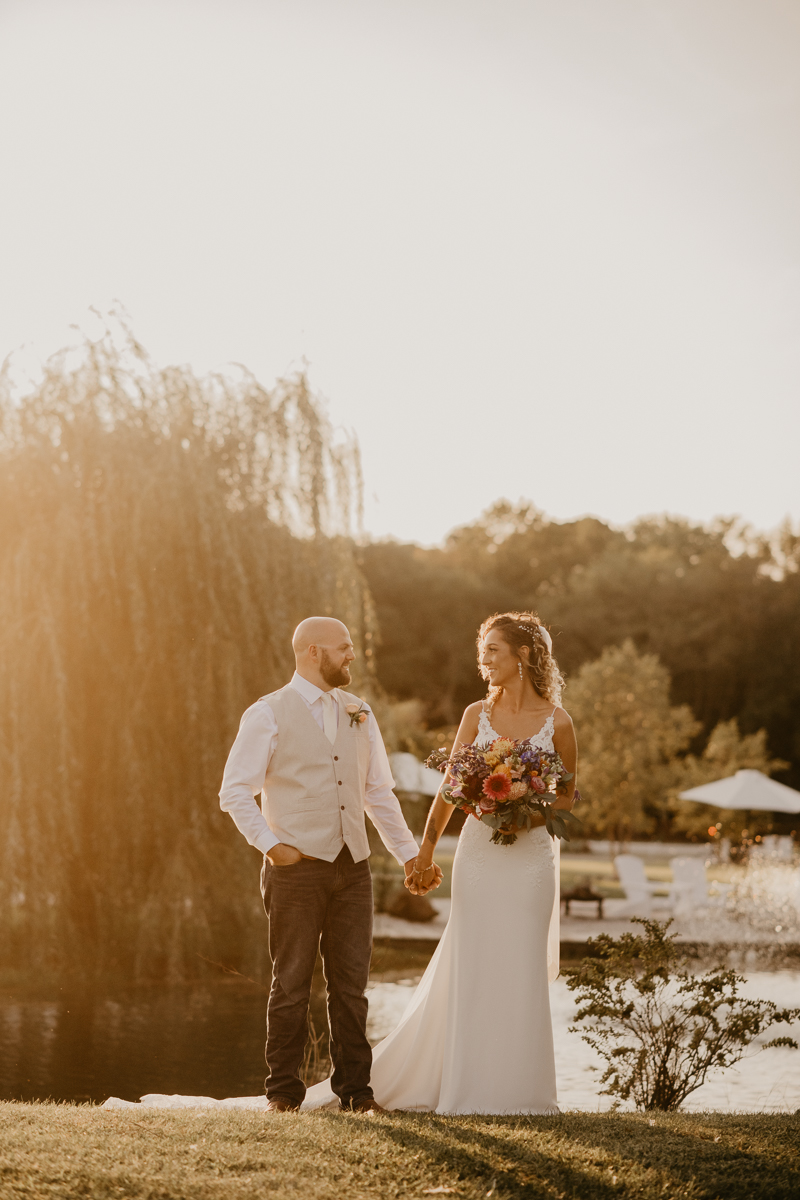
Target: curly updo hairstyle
[543, 669]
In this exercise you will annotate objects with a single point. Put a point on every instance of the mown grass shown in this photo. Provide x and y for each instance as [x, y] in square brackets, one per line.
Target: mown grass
[56, 1150]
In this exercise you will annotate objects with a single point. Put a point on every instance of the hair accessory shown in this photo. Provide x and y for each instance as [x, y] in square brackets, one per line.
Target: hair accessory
[533, 630]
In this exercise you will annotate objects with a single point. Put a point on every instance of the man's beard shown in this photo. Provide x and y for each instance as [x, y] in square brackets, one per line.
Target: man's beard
[333, 676]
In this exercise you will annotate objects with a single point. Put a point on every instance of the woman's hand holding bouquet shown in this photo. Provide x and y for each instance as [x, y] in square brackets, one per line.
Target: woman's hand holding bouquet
[506, 785]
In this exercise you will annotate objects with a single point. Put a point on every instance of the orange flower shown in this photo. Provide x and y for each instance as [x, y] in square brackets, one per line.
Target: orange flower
[497, 786]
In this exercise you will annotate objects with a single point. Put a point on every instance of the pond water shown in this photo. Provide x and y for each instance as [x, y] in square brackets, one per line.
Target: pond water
[208, 1039]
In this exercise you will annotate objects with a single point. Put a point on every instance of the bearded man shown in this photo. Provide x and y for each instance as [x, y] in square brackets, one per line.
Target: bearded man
[316, 755]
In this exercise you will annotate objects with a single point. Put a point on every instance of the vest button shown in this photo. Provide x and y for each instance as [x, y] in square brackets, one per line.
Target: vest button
[336, 758]
[340, 783]
[342, 808]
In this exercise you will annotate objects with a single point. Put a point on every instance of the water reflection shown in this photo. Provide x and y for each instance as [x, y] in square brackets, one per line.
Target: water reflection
[387, 1003]
[208, 1040]
[201, 1039]
[205, 1038]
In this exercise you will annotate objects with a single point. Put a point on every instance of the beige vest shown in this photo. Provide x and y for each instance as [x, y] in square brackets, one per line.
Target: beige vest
[313, 795]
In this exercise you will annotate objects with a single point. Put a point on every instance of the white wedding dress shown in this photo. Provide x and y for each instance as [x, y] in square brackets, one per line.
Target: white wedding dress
[476, 1036]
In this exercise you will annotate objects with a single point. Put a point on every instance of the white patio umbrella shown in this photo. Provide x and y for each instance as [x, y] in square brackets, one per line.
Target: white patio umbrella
[746, 789]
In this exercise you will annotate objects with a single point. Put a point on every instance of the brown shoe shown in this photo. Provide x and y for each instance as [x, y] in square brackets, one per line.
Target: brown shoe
[278, 1104]
[368, 1106]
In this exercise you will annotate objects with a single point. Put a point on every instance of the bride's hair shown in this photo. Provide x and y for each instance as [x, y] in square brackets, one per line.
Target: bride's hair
[525, 629]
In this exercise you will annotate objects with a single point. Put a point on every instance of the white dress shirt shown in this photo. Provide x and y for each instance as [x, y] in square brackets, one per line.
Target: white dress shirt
[246, 769]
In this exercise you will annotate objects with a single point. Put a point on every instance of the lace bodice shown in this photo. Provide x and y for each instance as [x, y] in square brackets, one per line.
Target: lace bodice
[543, 740]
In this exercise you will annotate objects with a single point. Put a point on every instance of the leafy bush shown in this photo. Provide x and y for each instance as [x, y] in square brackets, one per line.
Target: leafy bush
[660, 1028]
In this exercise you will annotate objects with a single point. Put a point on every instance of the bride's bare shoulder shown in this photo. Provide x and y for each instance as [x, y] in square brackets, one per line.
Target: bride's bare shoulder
[561, 718]
[470, 719]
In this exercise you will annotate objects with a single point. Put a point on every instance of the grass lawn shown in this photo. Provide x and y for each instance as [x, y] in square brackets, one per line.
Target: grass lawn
[59, 1150]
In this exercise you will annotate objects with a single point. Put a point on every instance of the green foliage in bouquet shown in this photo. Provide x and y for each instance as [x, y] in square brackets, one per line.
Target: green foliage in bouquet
[660, 1028]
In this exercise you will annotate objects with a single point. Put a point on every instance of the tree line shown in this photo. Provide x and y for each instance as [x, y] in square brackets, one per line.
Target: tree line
[160, 537]
[709, 616]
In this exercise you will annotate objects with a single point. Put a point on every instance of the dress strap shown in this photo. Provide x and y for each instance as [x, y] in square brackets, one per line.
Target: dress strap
[549, 725]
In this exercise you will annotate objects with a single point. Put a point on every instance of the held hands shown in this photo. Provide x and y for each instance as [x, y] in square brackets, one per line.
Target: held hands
[421, 879]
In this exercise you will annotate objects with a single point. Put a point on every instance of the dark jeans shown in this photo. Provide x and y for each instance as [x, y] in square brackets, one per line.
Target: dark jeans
[327, 905]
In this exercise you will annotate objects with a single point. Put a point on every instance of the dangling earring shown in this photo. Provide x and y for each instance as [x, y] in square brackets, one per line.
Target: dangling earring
[519, 665]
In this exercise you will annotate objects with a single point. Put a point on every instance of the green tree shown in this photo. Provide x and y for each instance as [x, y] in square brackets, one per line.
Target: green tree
[429, 609]
[160, 536]
[720, 608]
[629, 737]
[717, 604]
[726, 752]
[532, 555]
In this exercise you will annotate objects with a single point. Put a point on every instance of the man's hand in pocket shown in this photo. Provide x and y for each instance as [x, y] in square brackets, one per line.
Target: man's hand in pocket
[284, 856]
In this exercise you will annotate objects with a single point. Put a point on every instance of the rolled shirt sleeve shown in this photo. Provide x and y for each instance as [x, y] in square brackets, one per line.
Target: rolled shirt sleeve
[245, 772]
[381, 804]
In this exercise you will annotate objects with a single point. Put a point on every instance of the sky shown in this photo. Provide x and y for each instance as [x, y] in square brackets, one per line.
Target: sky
[525, 248]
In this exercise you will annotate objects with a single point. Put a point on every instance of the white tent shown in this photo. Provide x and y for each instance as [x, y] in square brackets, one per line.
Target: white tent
[747, 789]
[410, 775]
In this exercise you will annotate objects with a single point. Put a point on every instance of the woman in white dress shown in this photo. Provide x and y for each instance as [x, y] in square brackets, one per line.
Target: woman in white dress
[477, 1035]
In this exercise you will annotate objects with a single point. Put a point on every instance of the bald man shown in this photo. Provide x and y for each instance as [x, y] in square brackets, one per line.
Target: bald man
[316, 755]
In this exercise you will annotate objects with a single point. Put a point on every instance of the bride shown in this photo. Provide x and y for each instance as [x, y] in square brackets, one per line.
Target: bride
[477, 1035]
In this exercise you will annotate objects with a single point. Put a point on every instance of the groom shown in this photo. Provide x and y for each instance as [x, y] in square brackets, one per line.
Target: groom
[316, 755]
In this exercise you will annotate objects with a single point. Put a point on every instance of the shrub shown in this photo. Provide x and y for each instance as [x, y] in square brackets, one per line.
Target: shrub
[660, 1028]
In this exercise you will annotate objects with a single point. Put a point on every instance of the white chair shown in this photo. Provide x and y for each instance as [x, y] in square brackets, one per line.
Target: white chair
[777, 846]
[639, 891]
[689, 889]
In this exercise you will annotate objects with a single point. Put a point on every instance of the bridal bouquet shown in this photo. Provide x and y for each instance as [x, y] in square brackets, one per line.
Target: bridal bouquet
[505, 785]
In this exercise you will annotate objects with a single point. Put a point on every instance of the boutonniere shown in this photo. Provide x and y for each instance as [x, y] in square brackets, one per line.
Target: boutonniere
[357, 714]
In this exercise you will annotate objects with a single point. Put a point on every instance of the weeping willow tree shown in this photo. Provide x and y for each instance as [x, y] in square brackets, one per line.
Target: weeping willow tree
[160, 536]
